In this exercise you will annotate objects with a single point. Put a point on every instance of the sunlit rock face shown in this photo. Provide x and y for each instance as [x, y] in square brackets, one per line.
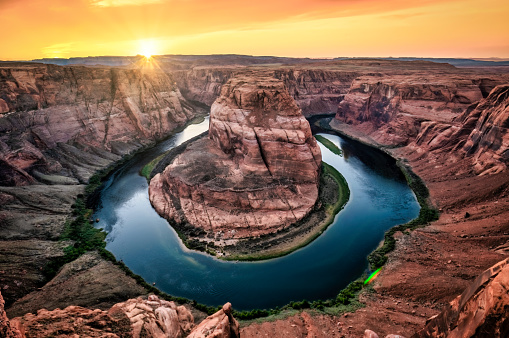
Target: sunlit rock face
[257, 172]
[392, 109]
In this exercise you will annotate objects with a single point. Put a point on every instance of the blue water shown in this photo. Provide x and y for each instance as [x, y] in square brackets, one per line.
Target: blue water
[150, 247]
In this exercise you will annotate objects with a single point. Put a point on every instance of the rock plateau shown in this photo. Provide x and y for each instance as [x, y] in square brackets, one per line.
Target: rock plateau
[257, 173]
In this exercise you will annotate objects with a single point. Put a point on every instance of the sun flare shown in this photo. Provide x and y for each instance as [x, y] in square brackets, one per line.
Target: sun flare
[148, 48]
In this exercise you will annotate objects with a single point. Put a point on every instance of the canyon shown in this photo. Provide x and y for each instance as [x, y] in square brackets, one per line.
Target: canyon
[59, 125]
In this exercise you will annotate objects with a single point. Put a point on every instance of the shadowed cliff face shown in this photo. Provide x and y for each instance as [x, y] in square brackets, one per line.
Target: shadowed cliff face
[258, 172]
[202, 85]
[71, 121]
[317, 91]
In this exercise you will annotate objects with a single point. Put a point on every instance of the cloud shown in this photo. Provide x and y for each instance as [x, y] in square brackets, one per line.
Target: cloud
[58, 50]
[119, 3]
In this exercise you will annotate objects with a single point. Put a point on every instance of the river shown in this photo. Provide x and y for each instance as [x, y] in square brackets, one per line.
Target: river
[148, 245]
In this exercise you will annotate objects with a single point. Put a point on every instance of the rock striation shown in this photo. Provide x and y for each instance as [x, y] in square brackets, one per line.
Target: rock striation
[391, 109]
[488, 142]
[257, 173]
[317, 91]
[150, 317]
[220, 324]
[60, 124]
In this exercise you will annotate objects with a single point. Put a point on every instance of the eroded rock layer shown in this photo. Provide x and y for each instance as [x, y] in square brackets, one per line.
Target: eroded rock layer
[257, 172]
[137, 317]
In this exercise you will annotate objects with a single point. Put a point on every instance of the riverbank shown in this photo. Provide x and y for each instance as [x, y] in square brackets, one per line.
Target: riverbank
[333, 195]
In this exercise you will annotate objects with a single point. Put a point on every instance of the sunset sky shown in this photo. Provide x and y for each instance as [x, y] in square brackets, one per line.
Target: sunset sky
[314, 28]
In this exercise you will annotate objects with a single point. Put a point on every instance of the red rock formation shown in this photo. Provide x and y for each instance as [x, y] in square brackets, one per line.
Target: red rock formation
[151, 317]
[68, 120]
[258, 172]
[482, 310]
[154, 317]
[58, 126]
[391, 109]
[317, 91]
[219, 325]
[202, 84]
[488, 142]
[6, 329]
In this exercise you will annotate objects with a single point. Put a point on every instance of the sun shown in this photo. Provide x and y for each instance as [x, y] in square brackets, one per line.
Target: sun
[148, 48]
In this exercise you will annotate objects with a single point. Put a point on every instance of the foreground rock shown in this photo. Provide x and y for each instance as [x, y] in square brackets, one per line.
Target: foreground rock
[257, 173]
[151, 317]
[220, 324]
[6, 329]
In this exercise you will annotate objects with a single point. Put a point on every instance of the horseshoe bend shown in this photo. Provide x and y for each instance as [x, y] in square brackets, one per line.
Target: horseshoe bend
[256, 173]
[251, 183]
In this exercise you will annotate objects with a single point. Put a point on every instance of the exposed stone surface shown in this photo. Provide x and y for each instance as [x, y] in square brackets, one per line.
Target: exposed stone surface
[258, 172]
[72, 121]
[391, 109]
[73, 321]
[6, 329]
[89, 281]
[482, 310]
[150, 317]
[488, 142]
[429, 267]
[58, 126]
[219, 325]
[154, 317]
[317, 91]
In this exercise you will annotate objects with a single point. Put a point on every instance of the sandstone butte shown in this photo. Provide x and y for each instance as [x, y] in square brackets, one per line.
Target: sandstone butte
[256, 173]
[58, 125]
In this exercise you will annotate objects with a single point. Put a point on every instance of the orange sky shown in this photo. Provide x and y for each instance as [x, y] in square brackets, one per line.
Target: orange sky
[314, 28]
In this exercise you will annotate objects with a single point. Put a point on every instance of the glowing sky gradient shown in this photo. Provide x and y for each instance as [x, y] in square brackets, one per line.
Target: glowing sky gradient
[314, 28]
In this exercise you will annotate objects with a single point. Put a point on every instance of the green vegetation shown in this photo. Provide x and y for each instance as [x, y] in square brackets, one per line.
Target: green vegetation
[345, 301]
[329, 144]
[426, 215]
[147, 169]
[79, 227]
[344, 191]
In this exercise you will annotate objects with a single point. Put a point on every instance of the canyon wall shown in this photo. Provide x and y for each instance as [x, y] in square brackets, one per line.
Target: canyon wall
[71, 121]
[317, 91]
[58, 126]
[257, 173]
